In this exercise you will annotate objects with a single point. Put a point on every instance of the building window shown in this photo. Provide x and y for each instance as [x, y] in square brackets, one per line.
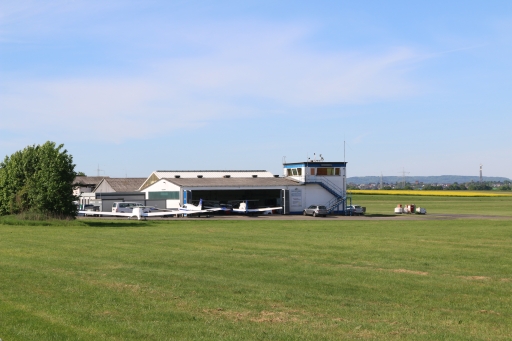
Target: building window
[321, 171]
[328, 171]
[163, 195]
[294, 171]
[313, 171]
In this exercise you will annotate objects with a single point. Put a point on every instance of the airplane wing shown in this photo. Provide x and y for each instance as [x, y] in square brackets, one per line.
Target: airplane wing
[112, 214]
[161, 213]
[215, 209]
[188, 212]
[255, 210]
[136, 213]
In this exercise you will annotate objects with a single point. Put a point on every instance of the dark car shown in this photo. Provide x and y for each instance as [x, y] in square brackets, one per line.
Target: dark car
[355, 210]
[316, 211]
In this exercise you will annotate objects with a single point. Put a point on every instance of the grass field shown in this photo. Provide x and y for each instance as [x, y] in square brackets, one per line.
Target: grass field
[443, 193]
[208, 279]
[385, 204]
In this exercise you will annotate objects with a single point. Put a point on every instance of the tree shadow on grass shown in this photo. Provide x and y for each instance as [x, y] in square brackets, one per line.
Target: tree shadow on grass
[115, 223]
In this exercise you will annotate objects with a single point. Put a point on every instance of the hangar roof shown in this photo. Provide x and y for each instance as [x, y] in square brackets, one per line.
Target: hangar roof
[232, 182]
[211, 173]
[168, 174]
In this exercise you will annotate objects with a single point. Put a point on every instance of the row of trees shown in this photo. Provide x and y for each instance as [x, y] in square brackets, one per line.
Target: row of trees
[471, 186]
[38, 179]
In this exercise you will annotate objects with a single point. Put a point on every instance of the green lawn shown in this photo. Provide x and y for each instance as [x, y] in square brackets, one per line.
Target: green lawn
[385, 204]
[257, 280]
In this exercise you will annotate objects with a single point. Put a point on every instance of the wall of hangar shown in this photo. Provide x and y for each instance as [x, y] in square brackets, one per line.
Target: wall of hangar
[266, 197]
[297, 198]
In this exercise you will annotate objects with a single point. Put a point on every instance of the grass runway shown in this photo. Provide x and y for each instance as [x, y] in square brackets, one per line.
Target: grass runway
[485, 206]
[211, 279]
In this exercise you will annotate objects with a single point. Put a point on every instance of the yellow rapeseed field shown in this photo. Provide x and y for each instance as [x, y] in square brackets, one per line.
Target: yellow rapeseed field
[431, 193]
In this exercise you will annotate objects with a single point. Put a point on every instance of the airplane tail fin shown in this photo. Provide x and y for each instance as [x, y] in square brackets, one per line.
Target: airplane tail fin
[200, 204]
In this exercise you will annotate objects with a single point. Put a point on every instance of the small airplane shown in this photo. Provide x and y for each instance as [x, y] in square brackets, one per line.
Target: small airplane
[244, 209]
[139, 212]
[142, 212]
[217, 206]
[193, 209]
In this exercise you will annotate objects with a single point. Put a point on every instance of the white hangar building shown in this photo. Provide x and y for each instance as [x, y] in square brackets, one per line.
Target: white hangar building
[302, 184]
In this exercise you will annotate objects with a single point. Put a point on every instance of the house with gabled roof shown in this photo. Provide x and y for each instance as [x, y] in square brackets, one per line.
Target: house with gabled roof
[86, 184]
[109, 185]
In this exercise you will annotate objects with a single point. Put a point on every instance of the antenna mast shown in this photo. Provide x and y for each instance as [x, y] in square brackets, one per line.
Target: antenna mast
[99, 170]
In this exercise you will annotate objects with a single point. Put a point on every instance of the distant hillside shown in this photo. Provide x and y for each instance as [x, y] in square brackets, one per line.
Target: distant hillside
[441, 179]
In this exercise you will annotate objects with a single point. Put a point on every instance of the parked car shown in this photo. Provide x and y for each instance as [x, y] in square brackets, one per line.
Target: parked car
[355, 210]
[316, 211]
[91, 209]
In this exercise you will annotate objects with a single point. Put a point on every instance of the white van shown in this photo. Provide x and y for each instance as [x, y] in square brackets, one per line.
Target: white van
[125, 207]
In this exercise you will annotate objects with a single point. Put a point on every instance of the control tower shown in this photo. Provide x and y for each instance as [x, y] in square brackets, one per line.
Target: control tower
[321, 183]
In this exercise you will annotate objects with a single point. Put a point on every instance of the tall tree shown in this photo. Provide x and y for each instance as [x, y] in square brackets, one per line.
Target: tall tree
[38, 179]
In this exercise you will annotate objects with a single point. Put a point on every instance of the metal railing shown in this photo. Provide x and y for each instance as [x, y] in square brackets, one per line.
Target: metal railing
[334, 203]
[335, 190]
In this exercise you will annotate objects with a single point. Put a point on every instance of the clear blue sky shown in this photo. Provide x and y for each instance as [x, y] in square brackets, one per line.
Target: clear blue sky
[136, 86]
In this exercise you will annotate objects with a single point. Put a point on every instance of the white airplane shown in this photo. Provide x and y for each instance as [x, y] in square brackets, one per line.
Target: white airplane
[139, 212]
[193, 209]
[244, 209]
[217, 206]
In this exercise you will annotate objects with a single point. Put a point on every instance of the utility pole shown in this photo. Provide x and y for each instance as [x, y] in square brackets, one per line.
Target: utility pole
[403, 176]
[481, 178]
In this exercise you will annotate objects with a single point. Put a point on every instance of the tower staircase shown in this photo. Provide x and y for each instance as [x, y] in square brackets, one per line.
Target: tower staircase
[335, 190]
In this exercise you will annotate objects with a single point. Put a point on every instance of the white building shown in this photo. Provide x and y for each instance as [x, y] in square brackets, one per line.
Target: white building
[322, 183]
[303, 184]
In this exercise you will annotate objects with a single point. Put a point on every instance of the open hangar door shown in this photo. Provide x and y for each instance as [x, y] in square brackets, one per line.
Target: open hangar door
[261, 197]
[285, 199]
